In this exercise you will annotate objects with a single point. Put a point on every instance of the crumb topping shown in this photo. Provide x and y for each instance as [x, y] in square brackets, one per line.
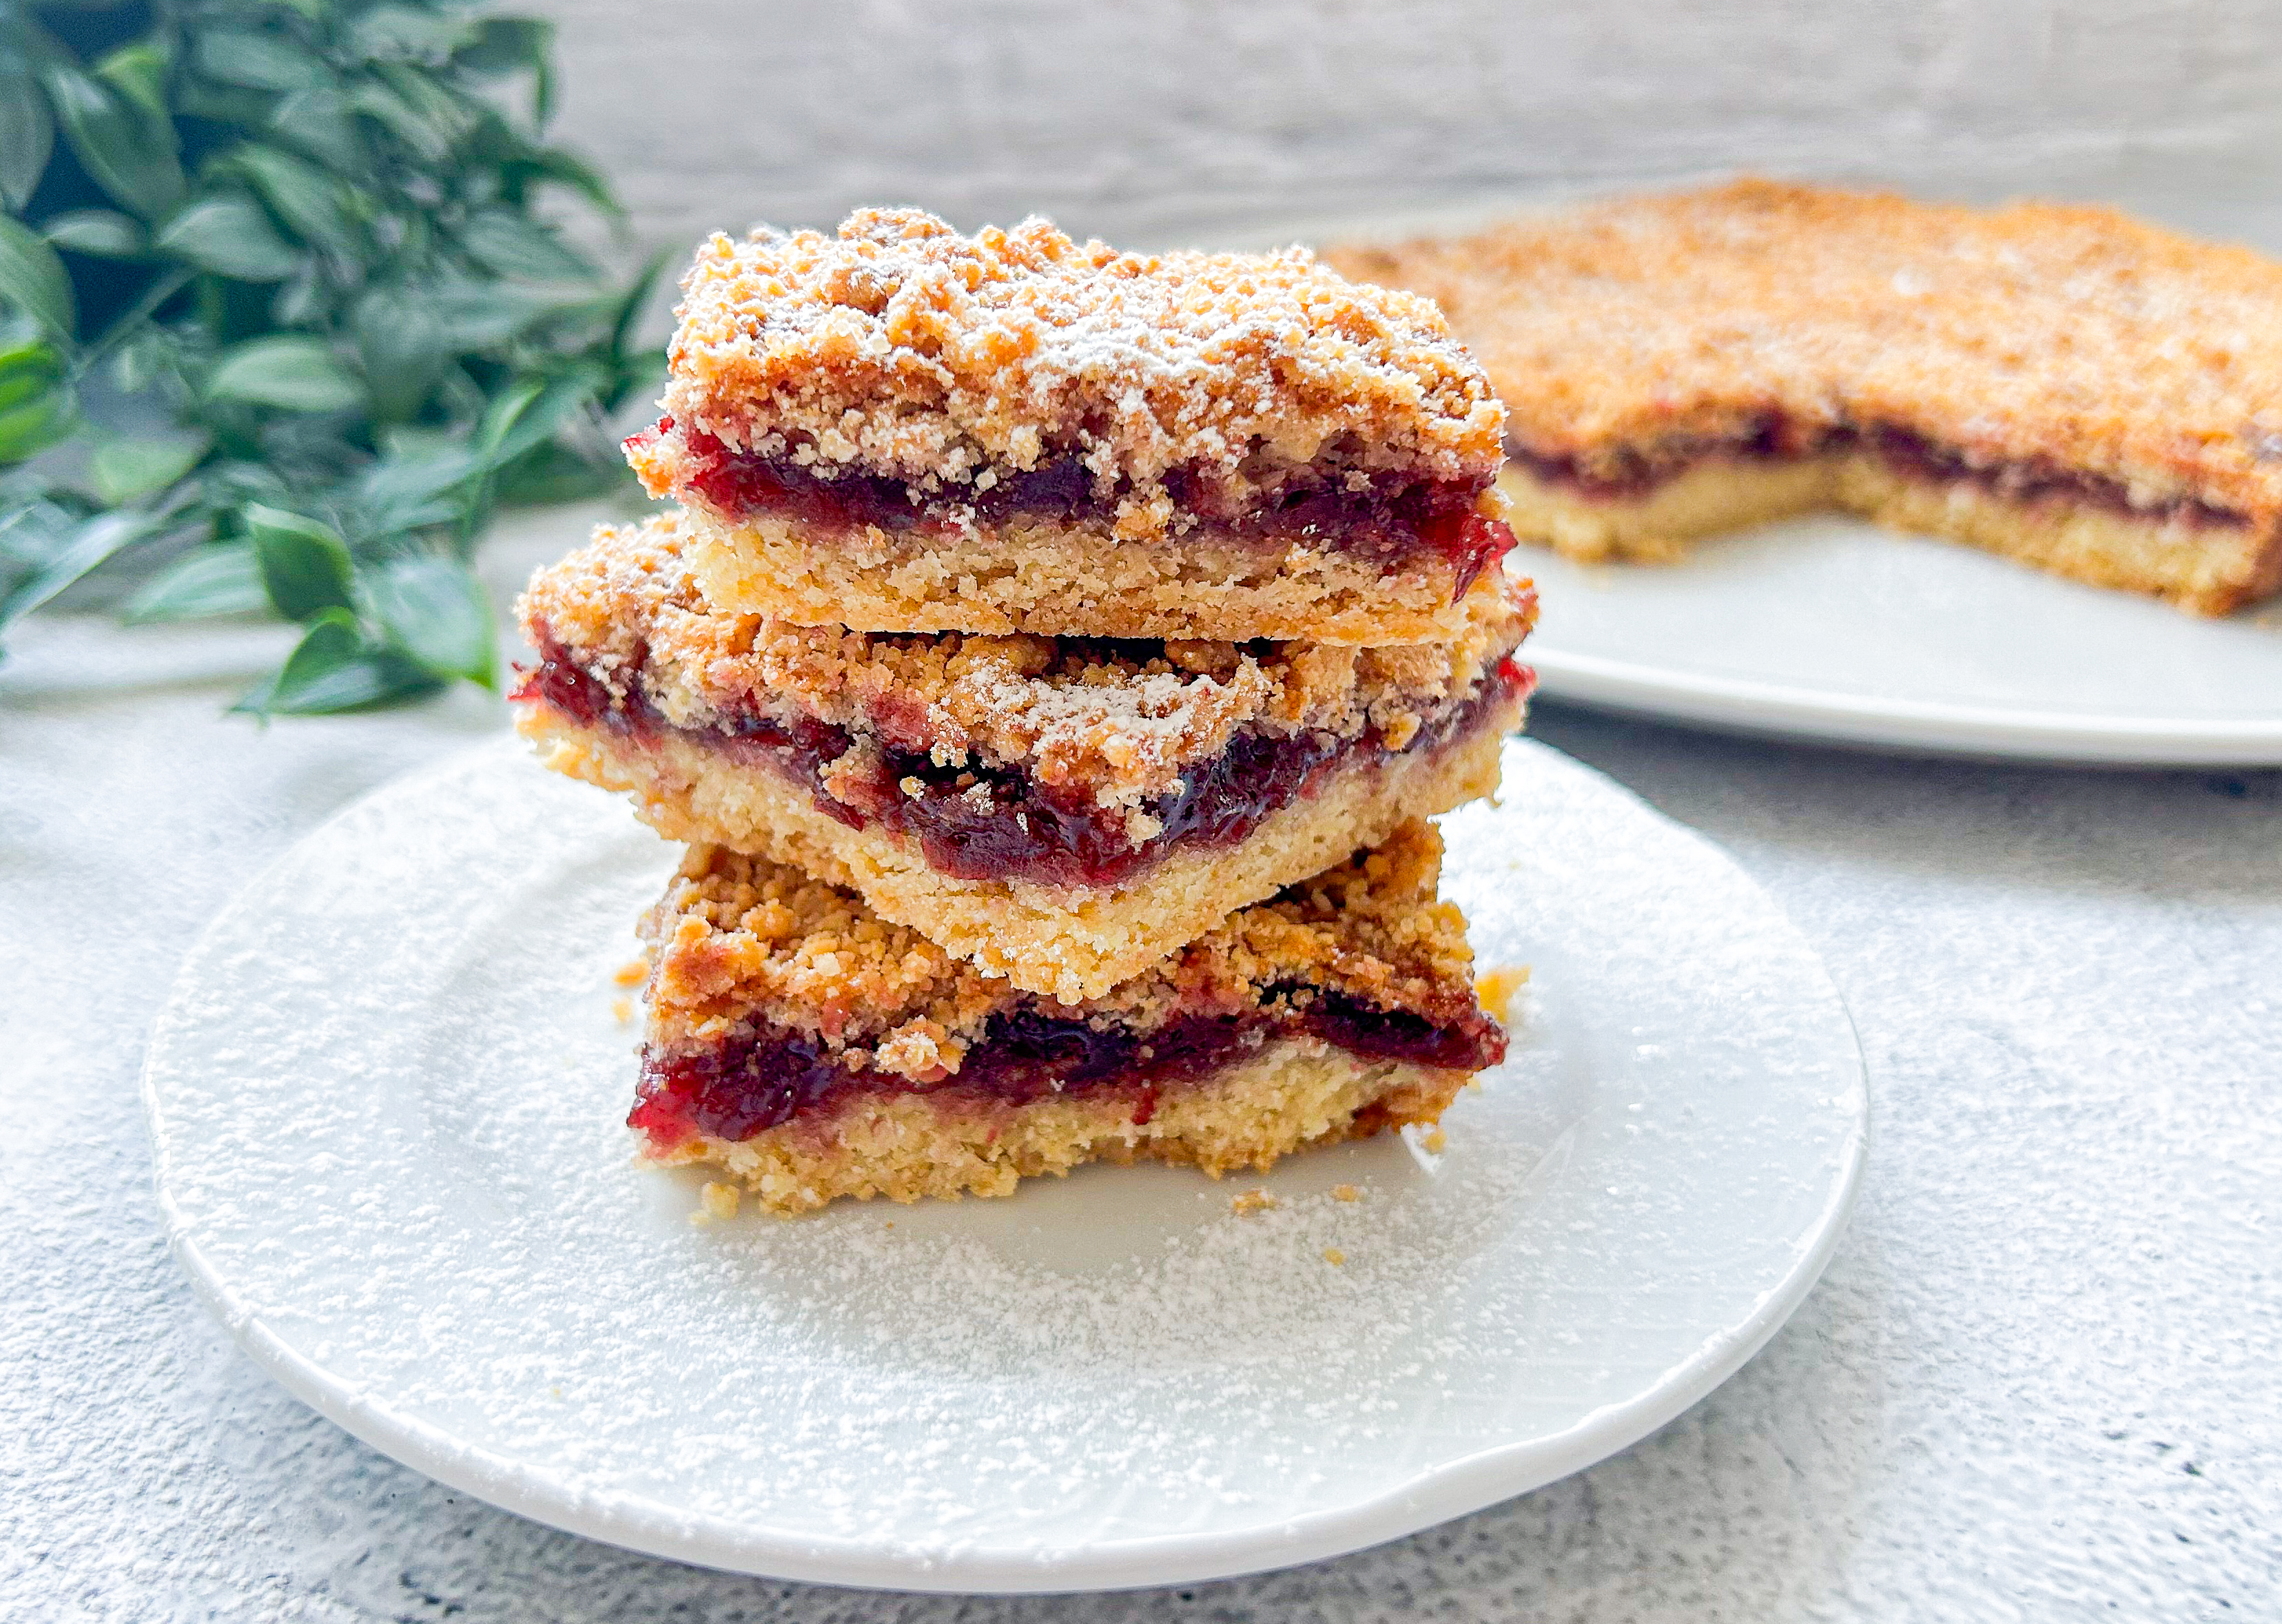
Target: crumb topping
[2076, 335]
[898, 346]
[738, 938]
[1122, 720]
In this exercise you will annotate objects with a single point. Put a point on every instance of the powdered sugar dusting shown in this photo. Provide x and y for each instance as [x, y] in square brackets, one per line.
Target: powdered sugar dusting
[387, 1101]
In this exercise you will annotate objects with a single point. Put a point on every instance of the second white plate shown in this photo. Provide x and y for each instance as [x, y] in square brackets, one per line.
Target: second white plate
[387, 1097]
[1830, 628]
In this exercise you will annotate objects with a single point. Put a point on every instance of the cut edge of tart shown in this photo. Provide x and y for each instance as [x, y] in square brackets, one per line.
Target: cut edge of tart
[2062, 386]
[2204, 566]
[814, 1050]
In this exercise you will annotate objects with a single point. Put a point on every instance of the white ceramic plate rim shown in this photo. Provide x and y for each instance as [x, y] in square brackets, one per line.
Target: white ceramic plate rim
[1746, 705]
[638, 1522]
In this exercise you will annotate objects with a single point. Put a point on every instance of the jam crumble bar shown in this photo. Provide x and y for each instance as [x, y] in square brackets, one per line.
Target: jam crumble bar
[816, 1051]
[901, 428]
[2063, 385]
[1063, 810]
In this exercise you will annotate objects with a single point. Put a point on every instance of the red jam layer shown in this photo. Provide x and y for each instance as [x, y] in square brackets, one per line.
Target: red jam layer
[1390, 516]
[1776, 438]
[1024, 830]
[763, 1078]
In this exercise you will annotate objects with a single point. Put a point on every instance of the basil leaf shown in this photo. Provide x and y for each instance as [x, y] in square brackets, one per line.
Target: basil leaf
[258, 60]
[228, 233]
[138, 72]
[437, 611]
[113, 144]
[305, 566]
[32, 427]
[27, 133]
[33, 279]
[404, 34]
[211, 580]
[404, 348]
[311, 204]
[88, 546]
[513, 246]
[123, 470]
[97, 231]
[294, 373]
[332, 669]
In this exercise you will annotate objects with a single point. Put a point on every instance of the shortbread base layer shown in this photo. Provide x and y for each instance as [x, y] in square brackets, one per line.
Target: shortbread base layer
[2205, 569]
[1067, 944]
[1292, 1093]
[1057, 579]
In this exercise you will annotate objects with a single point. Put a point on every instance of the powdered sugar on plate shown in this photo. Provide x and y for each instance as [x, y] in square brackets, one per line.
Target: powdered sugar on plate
[388, 1100]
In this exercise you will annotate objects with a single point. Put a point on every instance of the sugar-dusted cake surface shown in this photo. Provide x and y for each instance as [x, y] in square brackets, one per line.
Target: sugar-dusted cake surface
[900, 347]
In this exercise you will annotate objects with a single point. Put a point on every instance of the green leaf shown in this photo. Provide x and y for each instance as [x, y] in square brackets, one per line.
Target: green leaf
[229, 233]
[211, 580]
[26, 370]
[294, 373]
[33, 279]
[536, 420]
[98, 231]
[32, 427]
[404, 348]
[318, 123]
[332, 669]
[258, 60]
[304, 565]
[410, 489]
[437, 611]
[124, 469]
[312, 205]
[501, 45]
[27, 133]
[405, 34]
[113, 143]
[513, 246]
[138, 72]
[88, 546]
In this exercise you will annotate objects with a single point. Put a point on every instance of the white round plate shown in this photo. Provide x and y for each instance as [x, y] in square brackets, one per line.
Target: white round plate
[387, 1097]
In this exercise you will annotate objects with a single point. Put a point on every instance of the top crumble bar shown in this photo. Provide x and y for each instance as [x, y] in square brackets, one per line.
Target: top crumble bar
[899, 347]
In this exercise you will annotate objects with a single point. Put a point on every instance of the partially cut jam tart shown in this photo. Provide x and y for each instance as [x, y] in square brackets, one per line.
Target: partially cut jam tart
[900, 428]
[2062, 386]
[1063, 810]
[815, 1051]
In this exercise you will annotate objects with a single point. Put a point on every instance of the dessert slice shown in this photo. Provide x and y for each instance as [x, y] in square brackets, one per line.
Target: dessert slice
[901, 429]
[815, 1051]
[1065, 812]
[2062, 386]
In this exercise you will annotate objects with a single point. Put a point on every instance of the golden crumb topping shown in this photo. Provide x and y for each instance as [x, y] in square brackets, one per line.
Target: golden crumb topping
[899, 346]
[740, 939]
[2034, 331]
[1123, 720]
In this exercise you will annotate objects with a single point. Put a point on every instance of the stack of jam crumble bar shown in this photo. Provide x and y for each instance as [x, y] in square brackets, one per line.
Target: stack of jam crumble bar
[1051, 660]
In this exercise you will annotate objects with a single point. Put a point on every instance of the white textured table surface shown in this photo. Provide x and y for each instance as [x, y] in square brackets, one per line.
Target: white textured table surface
[2039, 1380]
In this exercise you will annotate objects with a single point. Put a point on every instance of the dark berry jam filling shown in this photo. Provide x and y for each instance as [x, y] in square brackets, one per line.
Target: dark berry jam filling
[1390, 515]
[1775, 437]
[999, 823]
[765, 1077]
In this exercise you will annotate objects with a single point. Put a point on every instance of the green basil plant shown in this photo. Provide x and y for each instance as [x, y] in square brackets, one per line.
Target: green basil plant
[303, 250]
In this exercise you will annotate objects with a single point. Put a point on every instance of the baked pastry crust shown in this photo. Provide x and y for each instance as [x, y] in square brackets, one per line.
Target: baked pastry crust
[905, 1096]
[2056, 361]
[1119, 724]
[900, 347]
